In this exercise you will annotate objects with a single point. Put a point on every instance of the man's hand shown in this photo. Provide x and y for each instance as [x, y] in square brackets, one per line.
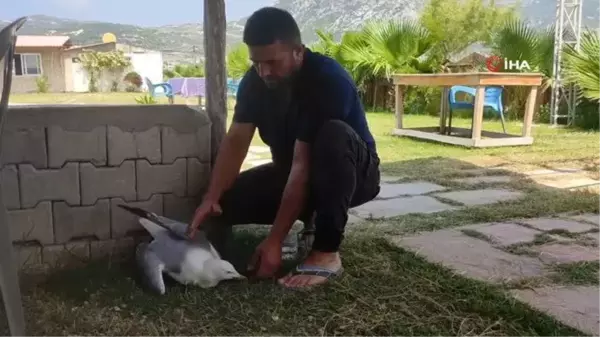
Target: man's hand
[267, 258]
[232, 152]
[206, 209]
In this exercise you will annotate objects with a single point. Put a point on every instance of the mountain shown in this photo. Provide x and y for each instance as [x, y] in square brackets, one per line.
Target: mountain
[185, 42]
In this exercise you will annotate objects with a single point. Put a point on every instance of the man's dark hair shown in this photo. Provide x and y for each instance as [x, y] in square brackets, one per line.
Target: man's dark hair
[269, 25]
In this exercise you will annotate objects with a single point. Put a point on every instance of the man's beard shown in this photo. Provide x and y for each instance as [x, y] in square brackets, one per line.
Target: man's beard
[283, 82]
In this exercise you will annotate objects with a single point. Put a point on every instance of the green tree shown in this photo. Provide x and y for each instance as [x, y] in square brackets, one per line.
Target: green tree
[184, 70]
[382, 49]
[238, 61]
[455, 24]
[96, 63]
[582, 68]
[516, 40]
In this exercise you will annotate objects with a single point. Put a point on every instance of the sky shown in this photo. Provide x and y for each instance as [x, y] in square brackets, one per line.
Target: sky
[137, 12]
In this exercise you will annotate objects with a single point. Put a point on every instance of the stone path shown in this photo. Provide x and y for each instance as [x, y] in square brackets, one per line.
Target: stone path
[501, 253]
[556, 176]
[519, 250]
[397, 199]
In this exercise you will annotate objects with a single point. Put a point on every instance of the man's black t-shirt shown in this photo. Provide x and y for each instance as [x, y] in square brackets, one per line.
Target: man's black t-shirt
[323, 90]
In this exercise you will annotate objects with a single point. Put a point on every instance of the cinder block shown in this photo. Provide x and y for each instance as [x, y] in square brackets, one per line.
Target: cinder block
[124, 145]
[81, 221]
[64, 145]
[106, 182]
[25, 146]
[52, 184]
[198, 176]
[152, 179]
[10, 187]
[69, 254]
[33, 224]
[28, 256]
[123, 222]
[180, 209]
[180, 145]
[113, 247]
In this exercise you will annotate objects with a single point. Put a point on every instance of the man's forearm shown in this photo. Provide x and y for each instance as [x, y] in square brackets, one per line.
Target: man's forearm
[292, 202]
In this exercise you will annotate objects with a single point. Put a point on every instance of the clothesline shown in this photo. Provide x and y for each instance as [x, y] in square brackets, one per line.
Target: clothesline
[196, 86]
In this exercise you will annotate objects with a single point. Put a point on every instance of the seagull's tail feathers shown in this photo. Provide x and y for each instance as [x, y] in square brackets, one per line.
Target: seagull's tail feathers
[151, 227]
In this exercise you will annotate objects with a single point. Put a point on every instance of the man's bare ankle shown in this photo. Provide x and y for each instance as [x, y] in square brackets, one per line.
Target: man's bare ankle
[324, 256]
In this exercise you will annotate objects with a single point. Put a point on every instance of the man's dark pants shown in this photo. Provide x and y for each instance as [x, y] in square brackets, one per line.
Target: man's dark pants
[344, 174]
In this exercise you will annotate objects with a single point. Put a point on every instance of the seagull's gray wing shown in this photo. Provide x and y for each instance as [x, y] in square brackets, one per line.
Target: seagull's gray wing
[180, 229]
[175, 226]
[151, 267]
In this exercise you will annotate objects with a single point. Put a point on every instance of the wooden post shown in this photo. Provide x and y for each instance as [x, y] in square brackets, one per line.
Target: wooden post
[478, 112]
[529, 110]
[215, 26]
[444, 109]
[399, 105]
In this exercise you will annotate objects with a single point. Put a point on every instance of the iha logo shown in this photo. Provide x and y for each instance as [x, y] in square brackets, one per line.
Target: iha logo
[496, 63]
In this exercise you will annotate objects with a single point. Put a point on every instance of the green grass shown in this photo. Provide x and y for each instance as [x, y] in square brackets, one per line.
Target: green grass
[386, 290]
[578, 273]
[90, 98]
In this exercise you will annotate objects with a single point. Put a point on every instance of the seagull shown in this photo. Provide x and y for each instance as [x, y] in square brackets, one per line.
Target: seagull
[188, 261]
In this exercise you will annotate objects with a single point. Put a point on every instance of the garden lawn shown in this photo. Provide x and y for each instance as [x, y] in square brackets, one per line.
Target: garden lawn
[385, 290]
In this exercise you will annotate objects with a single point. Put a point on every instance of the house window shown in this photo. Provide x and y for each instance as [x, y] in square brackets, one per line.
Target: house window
[28, 64]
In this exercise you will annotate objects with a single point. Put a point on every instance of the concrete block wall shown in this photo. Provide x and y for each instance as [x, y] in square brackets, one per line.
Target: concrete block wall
[64, 170]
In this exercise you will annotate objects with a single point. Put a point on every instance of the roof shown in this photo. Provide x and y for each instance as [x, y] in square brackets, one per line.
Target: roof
[477, 48]
[43, 41]
[76, 47]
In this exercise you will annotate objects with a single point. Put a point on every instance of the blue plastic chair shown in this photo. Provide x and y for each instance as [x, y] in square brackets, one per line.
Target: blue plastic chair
[232, 87]
[167, 88]
[492, 99]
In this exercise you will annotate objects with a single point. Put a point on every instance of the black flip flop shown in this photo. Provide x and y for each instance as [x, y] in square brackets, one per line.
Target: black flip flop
[328, 274]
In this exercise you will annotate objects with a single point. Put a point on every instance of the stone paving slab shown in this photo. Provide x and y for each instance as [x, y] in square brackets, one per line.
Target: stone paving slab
[399, 206]
[481, 197]
[593, 236]
[472, 257]
[565, 180]
[541, 172]
[588, 217]
[412, 188]
[549, 224]
[505, 234]
[576, 306]
[483, 180]
[566, 253]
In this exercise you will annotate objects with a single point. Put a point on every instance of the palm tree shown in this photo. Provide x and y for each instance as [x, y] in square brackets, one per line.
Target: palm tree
[381, 49]
[328, 46]
[518, 41]
[238, 61]
[582, 68]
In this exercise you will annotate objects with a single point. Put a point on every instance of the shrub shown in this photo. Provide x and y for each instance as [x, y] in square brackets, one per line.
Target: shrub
[42, 84]
[134, 79]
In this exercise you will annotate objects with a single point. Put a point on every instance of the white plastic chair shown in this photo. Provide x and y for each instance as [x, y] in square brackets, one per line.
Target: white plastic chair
[9, 278]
